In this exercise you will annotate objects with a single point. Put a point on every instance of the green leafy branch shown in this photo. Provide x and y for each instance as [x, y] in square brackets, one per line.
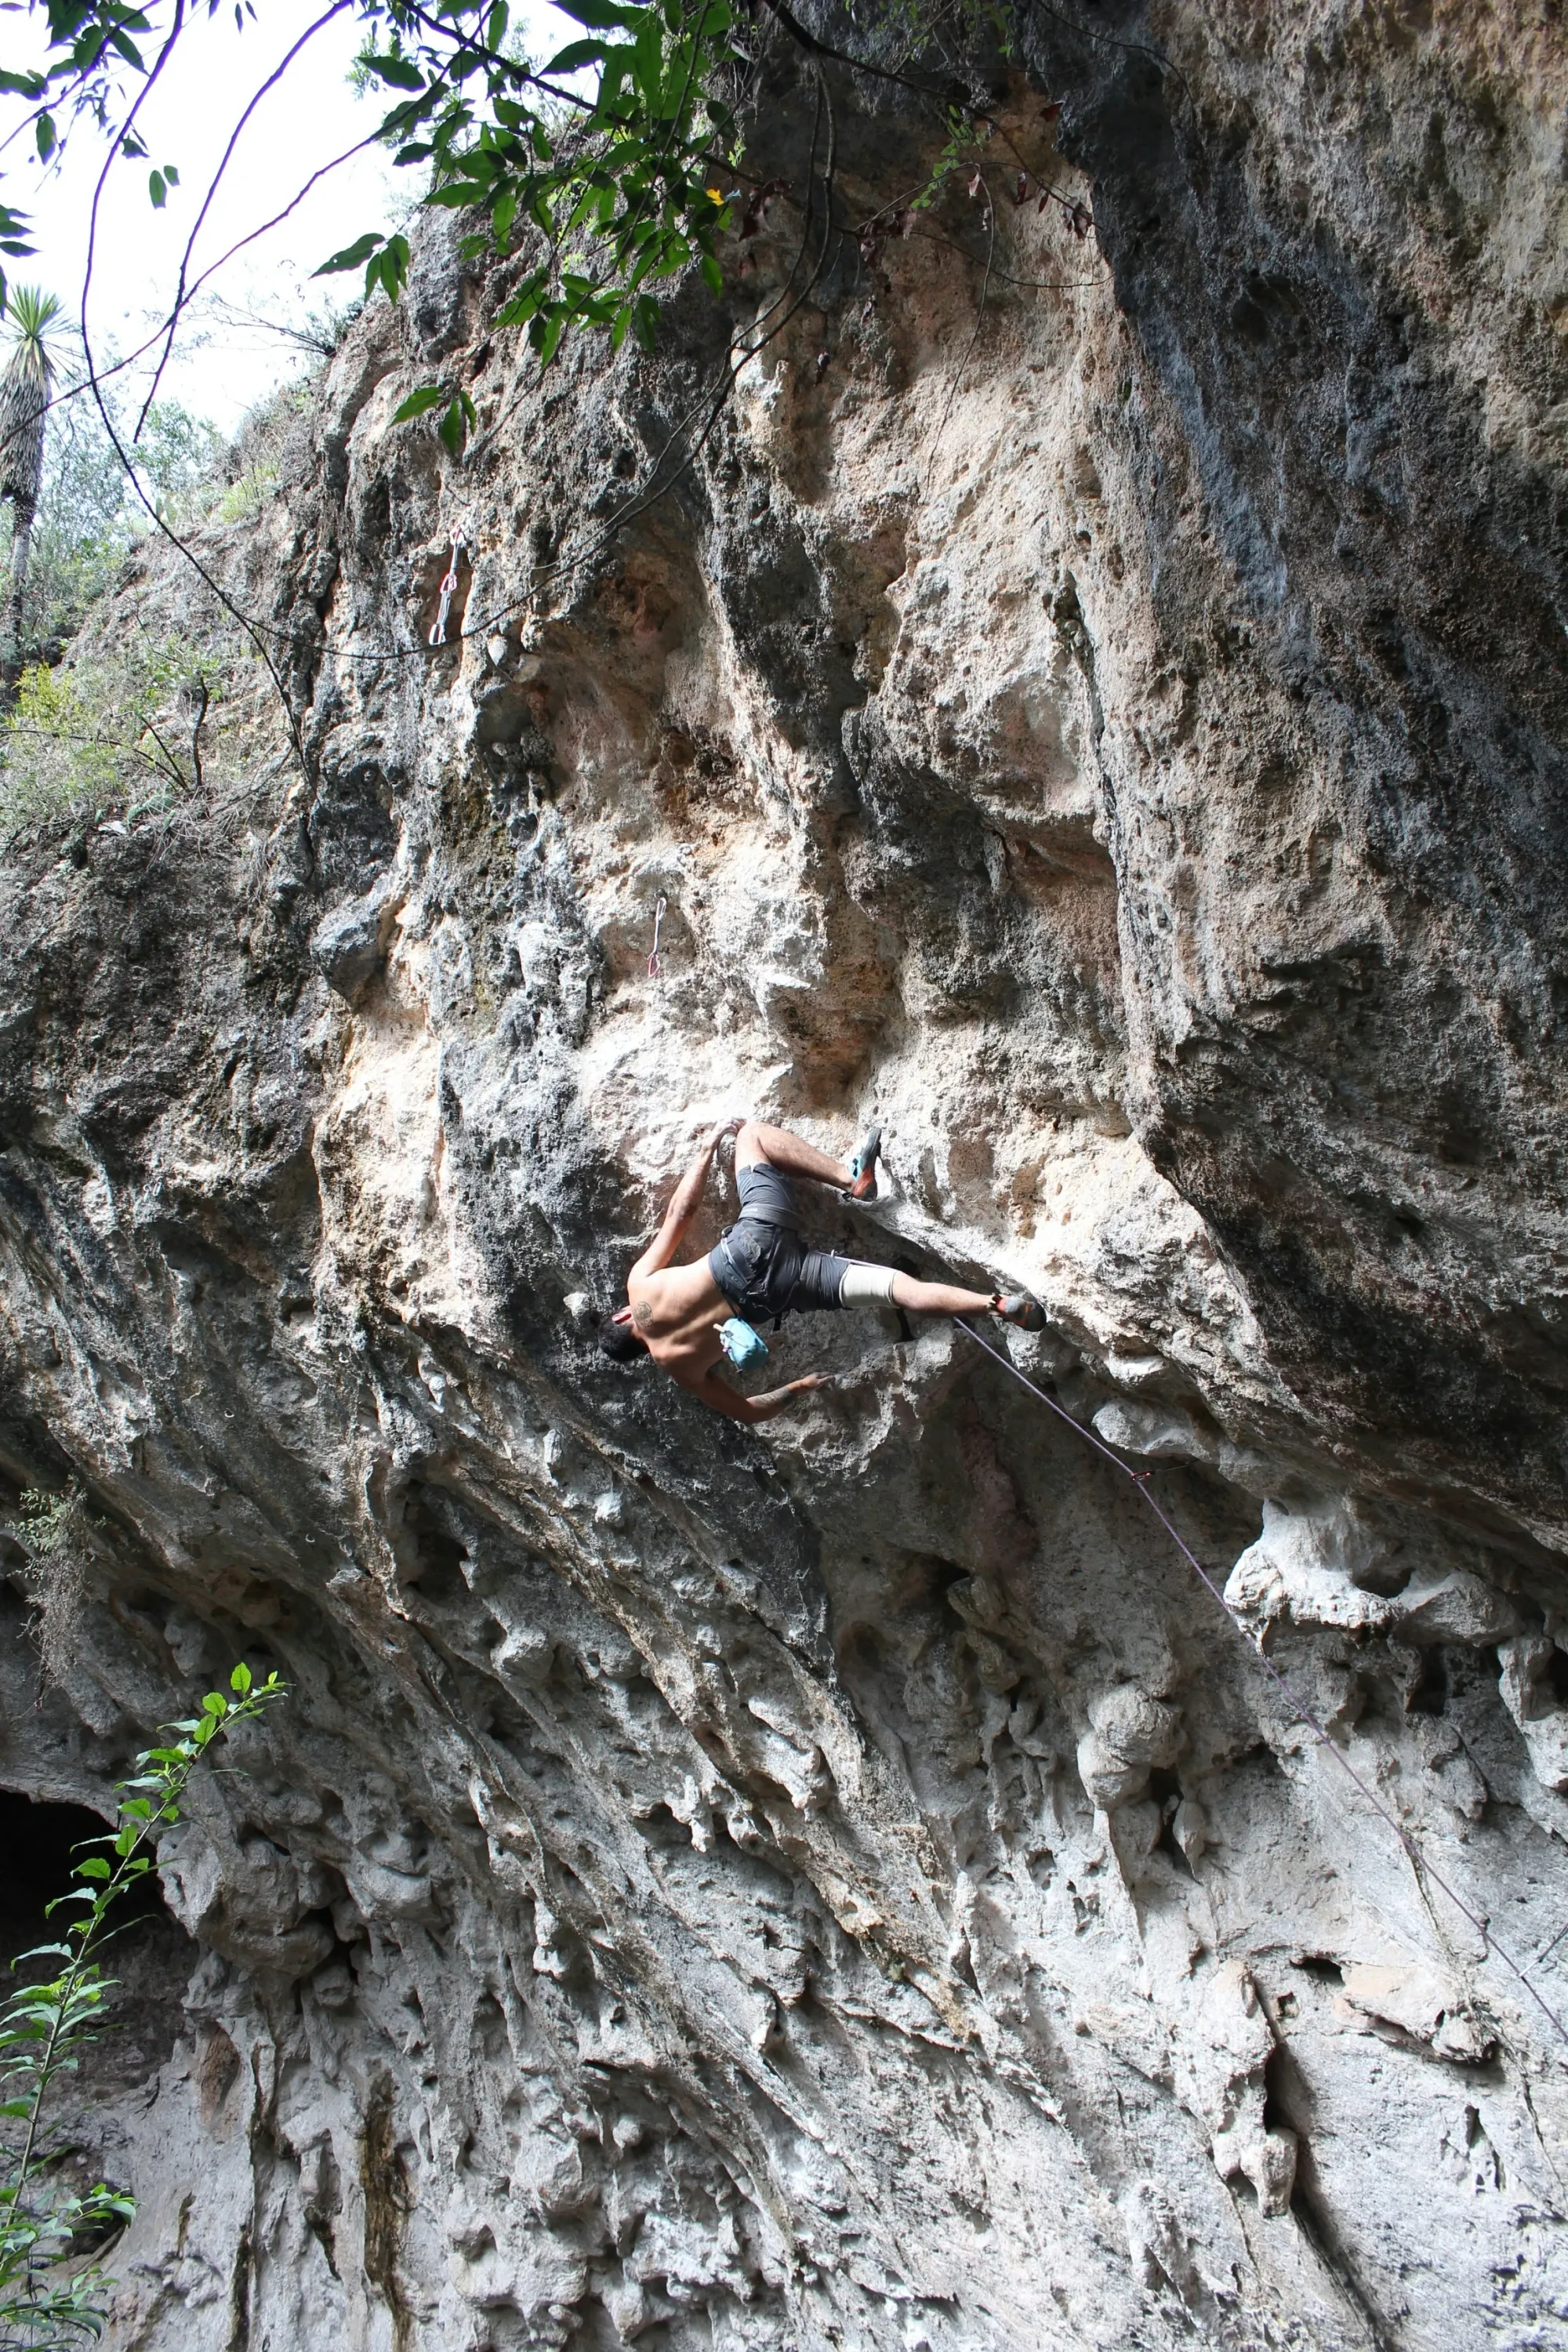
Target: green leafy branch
[90, 46]
[619, 186]
[619, 189]
[48, 2298]
[614, 190]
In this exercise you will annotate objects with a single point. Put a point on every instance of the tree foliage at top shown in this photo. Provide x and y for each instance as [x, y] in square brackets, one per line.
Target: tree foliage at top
[602, 173]
[622, 185]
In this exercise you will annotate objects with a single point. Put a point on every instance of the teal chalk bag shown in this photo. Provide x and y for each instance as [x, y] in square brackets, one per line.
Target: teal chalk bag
[741, 1344]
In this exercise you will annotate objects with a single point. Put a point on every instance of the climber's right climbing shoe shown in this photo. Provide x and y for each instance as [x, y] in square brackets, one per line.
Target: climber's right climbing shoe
[1013, 1308]
[863, 1167]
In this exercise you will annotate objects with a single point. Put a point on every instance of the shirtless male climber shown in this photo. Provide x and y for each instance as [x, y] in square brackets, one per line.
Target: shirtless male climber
[764, 1268]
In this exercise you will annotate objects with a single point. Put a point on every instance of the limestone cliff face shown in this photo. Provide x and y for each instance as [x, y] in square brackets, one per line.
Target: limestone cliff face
[1096, 704]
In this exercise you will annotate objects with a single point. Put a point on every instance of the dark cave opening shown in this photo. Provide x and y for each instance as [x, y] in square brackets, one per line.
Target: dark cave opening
[1556, 1676]
[151, 1957]
[1429, 1694]
[40, 1842]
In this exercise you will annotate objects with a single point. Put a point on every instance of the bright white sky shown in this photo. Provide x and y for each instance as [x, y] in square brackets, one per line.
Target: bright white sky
[222, 366]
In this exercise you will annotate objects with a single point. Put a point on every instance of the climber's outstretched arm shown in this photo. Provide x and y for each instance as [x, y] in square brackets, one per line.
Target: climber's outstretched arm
[718, 1394]
[684, 1204]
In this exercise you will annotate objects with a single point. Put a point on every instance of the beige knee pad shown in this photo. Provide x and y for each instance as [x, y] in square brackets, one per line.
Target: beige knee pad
[863, 1285]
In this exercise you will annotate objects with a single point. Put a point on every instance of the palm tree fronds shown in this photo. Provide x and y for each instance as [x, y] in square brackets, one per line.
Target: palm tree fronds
[33, 314]
[24, 402]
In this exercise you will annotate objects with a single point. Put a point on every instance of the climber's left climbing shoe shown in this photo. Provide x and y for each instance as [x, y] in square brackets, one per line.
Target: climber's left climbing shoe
[1013, 1308]
[863, 1167]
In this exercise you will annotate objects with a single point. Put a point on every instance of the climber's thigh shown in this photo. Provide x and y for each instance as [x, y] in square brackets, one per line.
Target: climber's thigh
[866, 1286]
[767, 1193]
[820, 1282]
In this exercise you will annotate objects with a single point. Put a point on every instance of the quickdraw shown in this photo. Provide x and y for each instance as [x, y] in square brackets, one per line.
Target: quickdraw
[653, 960]
[448, 590]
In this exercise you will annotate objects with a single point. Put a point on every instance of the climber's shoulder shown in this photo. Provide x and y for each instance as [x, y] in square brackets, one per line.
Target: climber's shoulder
[666, 1298]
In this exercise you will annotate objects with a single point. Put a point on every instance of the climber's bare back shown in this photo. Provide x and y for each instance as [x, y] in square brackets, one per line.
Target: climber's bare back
[676, 1313]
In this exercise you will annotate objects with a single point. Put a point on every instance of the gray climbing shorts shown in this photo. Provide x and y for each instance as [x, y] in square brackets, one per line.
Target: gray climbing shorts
[764, 1268]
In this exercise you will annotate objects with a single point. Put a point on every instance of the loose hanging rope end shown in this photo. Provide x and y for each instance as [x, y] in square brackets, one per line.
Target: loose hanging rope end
[653, 963]
[448, 590]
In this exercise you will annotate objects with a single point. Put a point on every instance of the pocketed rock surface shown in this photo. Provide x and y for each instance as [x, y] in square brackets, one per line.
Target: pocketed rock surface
[1095, 704]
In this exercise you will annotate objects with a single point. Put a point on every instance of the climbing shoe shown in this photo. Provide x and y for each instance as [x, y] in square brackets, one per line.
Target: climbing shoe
[1013, 1308]
[863, 1167]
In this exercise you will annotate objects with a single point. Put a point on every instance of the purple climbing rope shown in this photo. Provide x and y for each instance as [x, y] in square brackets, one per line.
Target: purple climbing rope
[1139, 1480]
